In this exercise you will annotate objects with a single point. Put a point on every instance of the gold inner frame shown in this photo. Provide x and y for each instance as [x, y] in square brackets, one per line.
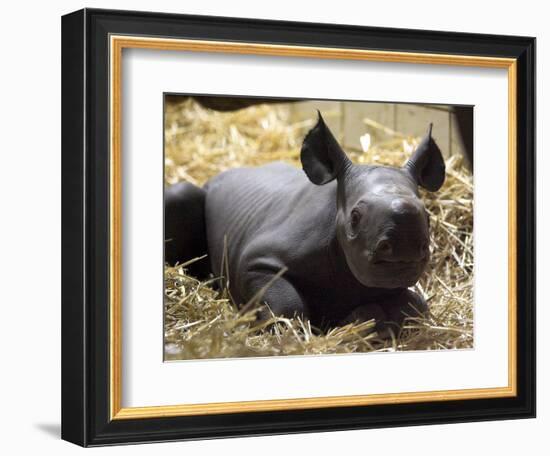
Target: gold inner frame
[117, 44]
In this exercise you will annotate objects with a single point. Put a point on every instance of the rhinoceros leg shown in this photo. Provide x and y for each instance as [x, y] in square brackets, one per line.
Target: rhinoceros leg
[407, 304]
[184, 227]
[277, 292]
[371, 311]
[390, 314]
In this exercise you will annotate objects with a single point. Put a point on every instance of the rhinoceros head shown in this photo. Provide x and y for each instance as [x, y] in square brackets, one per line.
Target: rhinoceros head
[382, 225]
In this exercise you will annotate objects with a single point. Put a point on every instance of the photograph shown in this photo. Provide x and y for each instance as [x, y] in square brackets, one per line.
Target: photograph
[316, 227]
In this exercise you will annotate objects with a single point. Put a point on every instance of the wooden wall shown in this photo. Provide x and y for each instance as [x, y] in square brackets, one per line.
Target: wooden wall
[346, 121]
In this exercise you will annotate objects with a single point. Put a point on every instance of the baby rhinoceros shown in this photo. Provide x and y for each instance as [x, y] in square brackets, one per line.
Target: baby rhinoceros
[350, 238]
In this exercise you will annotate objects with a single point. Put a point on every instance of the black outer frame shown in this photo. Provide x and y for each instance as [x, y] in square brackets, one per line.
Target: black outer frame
[85, 227]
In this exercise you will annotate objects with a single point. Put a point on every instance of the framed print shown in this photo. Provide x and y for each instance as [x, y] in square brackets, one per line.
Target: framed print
[275, 227]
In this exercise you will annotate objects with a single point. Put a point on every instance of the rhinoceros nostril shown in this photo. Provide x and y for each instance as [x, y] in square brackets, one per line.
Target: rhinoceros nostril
[384, 248]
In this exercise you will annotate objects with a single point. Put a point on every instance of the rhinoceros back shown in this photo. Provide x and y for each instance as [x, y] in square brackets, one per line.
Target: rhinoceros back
[243, 202]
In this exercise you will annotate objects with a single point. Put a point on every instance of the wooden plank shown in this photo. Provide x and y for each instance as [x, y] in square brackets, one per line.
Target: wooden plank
[354, 127]
[330, 110]
[413, 120]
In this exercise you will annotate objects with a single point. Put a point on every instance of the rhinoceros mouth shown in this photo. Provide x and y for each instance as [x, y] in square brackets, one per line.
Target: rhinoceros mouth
[411, 263]
[389, 274]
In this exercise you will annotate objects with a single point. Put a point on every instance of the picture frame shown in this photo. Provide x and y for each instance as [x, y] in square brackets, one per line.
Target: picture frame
[92, 366]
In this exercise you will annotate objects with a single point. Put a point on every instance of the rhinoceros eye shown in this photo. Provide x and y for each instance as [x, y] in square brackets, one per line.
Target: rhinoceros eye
[355, 218]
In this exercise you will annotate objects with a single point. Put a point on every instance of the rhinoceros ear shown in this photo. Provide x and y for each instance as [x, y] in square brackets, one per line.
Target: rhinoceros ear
[426, 164]
[322, 157]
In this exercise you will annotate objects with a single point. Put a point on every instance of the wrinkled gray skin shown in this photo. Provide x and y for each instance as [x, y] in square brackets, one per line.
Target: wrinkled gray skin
[351, 237]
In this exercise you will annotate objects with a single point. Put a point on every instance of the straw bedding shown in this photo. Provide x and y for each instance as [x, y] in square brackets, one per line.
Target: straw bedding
[202, 322]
